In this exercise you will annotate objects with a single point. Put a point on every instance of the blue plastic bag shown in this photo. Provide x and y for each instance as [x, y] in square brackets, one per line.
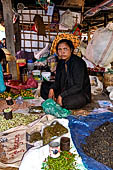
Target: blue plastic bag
[2, 85]
[80, 128]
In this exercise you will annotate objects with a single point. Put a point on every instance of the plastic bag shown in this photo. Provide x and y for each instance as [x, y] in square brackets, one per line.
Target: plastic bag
[52, 108]
[30, 83]
[110, 90]
[67, 19]
[44, 52]
[80, 128]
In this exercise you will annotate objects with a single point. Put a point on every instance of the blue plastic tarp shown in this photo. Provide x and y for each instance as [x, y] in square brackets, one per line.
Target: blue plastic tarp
[80, 128]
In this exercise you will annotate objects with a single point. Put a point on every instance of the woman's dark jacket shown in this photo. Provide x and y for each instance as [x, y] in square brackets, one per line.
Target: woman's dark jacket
[74, 81]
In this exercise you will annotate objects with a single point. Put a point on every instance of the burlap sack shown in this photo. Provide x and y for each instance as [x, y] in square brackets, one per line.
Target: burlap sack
[13, 143]
[12, 146]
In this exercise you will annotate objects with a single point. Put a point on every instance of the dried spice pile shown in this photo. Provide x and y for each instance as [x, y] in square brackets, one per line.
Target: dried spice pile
[99, 145]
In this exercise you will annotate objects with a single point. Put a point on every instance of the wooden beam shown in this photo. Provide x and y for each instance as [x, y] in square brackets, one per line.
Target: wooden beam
[72, 8]
[97, 22]
[82, 13]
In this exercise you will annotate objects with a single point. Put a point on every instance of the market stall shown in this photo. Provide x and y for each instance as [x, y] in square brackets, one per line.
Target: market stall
[31, 127]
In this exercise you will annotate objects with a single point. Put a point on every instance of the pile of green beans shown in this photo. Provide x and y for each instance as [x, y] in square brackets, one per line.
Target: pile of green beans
[66, 161]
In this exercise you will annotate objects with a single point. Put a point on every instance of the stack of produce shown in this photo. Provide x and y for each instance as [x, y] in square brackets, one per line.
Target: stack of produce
[26, 94]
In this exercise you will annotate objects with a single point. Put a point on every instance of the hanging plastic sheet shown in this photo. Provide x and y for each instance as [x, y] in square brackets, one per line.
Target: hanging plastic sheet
[80, 128]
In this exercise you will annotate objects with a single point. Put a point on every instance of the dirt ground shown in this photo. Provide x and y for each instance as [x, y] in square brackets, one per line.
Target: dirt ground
[86, 110]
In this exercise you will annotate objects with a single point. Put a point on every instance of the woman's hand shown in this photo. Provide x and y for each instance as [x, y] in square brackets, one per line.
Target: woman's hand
[51, 94]
[59, 100]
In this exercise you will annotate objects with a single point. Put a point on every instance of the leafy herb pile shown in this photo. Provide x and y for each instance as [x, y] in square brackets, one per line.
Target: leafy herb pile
[66, 161]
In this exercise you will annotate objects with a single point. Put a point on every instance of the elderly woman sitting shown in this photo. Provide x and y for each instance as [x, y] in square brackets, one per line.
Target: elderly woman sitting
[71, 89]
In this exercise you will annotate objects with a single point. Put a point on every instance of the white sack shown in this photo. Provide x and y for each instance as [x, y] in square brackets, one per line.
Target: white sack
[96, 85]
[110, 90]
[100, 47]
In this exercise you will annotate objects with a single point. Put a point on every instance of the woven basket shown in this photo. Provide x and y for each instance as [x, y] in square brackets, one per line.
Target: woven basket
[108, 79]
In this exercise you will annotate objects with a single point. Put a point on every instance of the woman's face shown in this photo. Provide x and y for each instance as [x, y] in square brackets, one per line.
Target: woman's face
[64, 51]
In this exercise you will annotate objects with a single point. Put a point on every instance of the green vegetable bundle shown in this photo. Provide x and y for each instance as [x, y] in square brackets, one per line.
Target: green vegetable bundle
[66, 161]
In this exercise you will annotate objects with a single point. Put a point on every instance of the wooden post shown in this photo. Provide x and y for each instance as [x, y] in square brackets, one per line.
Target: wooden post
[8, 21]
[88, 26]
[105, 19]
[17, 36]
[82, 13]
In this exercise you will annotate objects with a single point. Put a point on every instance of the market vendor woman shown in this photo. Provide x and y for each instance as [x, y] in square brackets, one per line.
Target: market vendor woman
[2, 68]
[71, 89]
